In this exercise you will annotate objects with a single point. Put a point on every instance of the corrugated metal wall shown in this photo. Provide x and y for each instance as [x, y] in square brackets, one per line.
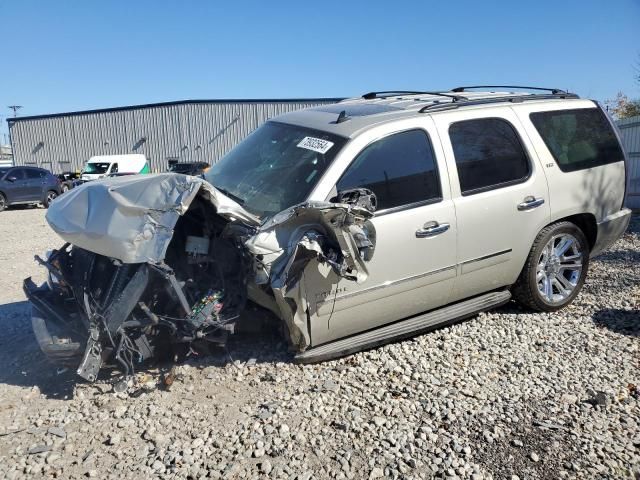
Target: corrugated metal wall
[185, 131]
[630, 130]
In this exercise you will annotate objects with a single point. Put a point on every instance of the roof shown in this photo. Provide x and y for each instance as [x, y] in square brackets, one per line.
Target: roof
[373, 109]
[177, 102]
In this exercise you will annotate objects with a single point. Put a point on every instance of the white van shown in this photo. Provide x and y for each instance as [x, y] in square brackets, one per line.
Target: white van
[103, 165]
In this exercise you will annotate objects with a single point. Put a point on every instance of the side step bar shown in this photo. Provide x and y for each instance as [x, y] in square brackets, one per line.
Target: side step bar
[404, 329]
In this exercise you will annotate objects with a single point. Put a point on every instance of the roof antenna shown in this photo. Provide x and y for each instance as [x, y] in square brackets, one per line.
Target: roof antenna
[342, 117]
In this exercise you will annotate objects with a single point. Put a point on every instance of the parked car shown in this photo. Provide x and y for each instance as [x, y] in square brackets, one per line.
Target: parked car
[352, 225]
[67, 180]
[24, 185]
[101, 166]
[189, 168]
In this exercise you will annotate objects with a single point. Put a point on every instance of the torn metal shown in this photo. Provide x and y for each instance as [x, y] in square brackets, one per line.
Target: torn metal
[155, 263]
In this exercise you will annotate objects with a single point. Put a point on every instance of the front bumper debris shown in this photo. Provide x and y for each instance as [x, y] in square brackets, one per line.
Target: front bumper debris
[167, 263]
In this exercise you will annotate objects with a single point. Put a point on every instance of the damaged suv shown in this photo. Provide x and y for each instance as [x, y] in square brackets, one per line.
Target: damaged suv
[353, 225]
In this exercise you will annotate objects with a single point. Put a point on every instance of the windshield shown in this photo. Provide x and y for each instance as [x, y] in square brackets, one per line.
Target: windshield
[3, 171]
[275, 167]
[96, 168]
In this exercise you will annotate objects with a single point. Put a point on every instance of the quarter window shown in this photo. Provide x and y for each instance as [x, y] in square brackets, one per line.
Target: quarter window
[488, 154]
[578, 139]
[400, 169]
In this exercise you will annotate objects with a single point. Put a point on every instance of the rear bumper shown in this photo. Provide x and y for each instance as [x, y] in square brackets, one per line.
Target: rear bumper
[610, 230]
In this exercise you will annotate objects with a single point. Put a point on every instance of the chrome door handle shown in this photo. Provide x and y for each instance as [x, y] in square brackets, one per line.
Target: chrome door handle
[530, 203]
[431, 229]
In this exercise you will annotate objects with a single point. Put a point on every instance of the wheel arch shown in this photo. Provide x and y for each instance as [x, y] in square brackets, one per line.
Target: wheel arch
[585, 222]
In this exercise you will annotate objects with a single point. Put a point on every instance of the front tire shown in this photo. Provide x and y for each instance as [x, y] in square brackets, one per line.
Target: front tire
[3, 202]
[555, 269]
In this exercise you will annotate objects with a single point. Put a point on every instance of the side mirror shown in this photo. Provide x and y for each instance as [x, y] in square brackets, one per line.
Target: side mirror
[11, 179]
[360, 197]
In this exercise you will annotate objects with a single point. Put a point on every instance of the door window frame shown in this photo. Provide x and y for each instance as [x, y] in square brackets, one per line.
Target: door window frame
[488, 188]
[13, 173]
[408, 206]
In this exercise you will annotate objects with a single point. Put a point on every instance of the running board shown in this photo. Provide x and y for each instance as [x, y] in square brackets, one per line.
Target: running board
[404, 329]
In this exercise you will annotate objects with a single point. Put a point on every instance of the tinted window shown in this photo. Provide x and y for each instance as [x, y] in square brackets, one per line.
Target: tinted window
[400, 169]
[114, 168]
[488, 154]
[578, 139]
[18, 173]
[33, 173]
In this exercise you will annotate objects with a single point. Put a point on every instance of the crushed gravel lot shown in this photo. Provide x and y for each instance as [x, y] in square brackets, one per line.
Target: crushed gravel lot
[508, 394]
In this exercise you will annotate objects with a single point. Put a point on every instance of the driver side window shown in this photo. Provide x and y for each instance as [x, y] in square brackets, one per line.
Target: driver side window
[400, 169]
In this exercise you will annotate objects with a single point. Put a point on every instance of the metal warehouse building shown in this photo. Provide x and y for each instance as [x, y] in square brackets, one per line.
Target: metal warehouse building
[184, 131]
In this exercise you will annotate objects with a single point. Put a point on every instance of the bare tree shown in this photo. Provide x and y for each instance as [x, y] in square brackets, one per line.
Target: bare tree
[622, 107]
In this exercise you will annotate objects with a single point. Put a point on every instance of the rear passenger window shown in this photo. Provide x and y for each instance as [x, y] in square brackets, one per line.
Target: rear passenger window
[488, 154]
[578, 139]
[400, 169]
[31, 174]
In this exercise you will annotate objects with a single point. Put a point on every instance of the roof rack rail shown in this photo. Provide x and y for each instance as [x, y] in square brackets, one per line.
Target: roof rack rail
[391, 93]
[503, 98]
[521, 87]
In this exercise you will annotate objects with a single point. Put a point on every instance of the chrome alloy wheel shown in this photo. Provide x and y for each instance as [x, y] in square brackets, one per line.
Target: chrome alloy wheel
[559, 268]
[51, 196]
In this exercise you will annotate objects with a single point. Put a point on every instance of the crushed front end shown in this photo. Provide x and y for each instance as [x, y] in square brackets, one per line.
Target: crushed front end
[163, 264]
[96, 310]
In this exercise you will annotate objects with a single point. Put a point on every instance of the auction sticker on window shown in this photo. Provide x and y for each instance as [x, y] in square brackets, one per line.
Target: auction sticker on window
[316, 144]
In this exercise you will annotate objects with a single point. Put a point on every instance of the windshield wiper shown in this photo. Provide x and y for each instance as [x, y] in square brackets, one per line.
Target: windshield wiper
[235, 198]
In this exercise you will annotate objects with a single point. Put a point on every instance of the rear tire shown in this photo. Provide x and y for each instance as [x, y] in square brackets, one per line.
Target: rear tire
[50, 197]
[555, 269]
[3, 202]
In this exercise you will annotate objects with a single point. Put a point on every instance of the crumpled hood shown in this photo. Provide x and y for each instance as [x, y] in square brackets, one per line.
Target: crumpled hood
[131, 218]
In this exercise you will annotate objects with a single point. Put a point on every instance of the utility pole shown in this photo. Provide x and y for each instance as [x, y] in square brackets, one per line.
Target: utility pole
[15, 109]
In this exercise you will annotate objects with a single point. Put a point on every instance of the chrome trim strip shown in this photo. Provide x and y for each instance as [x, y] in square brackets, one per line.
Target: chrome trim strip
[388, 284]
[479, 259]
[407, 279]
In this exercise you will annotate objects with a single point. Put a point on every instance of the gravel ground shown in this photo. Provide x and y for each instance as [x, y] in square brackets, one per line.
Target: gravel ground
[508, 394]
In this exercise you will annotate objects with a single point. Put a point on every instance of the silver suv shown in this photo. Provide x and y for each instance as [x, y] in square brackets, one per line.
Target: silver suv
[353, 225]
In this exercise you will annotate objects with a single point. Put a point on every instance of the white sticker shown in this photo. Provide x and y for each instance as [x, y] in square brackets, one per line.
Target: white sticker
[316, 144]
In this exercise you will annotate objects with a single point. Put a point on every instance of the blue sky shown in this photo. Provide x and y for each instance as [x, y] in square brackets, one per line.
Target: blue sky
[74, 55]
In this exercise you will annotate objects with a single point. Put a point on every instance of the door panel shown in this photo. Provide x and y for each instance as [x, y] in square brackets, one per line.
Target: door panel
[407, 275]
[497, 225]
[17, 191]
[413, 267]
[34, 187]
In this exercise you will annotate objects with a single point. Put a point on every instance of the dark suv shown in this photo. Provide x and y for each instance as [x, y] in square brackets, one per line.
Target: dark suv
[19, 185]
[189, 168]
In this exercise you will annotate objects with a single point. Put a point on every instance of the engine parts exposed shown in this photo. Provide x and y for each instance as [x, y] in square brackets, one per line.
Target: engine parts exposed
[168, 263]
